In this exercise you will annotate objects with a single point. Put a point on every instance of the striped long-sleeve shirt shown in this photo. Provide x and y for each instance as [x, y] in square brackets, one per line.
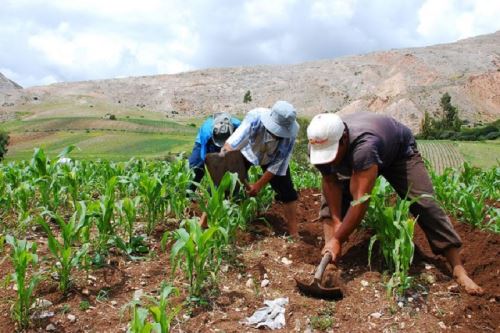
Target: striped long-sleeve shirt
[259, 146]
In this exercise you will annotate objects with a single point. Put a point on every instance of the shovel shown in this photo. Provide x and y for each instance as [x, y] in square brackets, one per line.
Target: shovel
[315, 289]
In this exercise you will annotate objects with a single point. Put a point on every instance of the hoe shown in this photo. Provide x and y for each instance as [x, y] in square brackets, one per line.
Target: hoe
[315, 288]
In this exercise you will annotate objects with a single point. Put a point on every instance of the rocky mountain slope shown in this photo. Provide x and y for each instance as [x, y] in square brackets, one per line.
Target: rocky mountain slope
[403, 83]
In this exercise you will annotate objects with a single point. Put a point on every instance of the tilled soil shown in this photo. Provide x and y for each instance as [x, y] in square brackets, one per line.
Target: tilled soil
[434, 304]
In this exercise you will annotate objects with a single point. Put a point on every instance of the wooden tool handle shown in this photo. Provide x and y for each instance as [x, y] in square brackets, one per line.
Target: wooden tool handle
[322, 266]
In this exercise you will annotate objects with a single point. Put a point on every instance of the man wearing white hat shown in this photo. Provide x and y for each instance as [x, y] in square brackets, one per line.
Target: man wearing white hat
[266, 137]
[351, 152]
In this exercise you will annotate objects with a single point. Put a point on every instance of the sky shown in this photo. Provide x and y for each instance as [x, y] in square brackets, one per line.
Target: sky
[43, 42]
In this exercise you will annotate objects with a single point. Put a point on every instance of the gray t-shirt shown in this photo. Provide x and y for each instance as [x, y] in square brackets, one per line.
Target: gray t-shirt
[373, 139]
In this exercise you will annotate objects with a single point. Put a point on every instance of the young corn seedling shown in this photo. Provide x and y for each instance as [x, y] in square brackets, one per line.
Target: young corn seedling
[472, 208]
[197, 251]
[64, 251]
[23, 257]
[102, 213]
[150, 189]
[394, 230]
[161, 311]
[178, 179]
[127, 212]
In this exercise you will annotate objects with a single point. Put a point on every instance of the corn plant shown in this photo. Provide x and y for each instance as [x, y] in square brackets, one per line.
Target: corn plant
[472, 208]
[161, 311]
[22, 197]
[127, 212]
[150, 189]
[102, 213]
[266, 195]
[23, 257]
[64, 251]
[394, 231]
[216, 202]
[197, 252]
[178, 179]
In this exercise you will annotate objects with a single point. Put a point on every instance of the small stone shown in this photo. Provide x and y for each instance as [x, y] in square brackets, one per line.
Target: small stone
[365, 283]
[265, 276]
[264, 283]
[410, 299]
[239, 276]
[43, 315]
[469, 316]
[138, 294]
[225, 288]
[249, 283]
[114, 303]
[442, 325]
[54, 276]
[224, 268]
[143, 283]
[85, 292]
[376, 315]
[454, 289]
[93, 278]
[400, 304]
[14, 287]
[50, 328]
[41, 303]
[428, 267]
[492, 300]
[71, 318]
[428, 277]
[286, 261]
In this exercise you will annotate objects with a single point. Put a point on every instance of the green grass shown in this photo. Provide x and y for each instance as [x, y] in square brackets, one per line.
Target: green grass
[103, 144]
[445, 153]
[482, 154]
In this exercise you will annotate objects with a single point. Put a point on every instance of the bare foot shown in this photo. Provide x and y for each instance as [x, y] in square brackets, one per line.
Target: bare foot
[204, 221]
[466, 282]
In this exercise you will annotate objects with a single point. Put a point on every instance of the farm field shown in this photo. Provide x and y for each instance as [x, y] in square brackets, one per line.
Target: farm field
[110, 234]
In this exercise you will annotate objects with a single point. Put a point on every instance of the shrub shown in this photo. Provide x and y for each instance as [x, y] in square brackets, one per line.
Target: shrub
[4, 142]
[248, 97]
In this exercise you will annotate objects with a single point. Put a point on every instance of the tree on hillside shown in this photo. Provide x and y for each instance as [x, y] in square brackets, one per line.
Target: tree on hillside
[426, 130]
[450, 114]
[4, 142]
[248, 97]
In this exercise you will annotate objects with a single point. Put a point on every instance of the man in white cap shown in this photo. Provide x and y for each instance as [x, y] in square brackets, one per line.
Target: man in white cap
[266, 137]
[351, 152]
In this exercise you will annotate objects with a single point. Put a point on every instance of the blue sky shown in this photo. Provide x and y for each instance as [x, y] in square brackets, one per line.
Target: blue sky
[42, 42]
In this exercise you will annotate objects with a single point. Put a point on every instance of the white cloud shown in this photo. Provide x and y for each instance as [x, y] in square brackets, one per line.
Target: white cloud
[332, 10]
[447, 20]
[59, 40]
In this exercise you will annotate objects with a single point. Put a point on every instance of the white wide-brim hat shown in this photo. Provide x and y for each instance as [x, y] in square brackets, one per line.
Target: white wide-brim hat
[324, 133]
[280, 120]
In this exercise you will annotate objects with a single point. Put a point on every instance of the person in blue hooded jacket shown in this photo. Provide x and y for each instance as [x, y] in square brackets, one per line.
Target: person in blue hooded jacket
[210, 139]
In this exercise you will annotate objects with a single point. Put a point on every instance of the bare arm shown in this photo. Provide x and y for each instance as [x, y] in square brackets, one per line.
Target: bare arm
[259, 184]
[362, 183]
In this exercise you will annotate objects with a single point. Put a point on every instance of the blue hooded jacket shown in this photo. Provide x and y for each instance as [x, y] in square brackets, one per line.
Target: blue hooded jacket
[203, 140]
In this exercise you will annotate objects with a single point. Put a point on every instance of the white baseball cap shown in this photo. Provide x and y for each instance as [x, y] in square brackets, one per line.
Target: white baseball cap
[324, 133]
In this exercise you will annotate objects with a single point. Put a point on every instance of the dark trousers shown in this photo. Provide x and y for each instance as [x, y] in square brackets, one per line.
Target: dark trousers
[410, 177]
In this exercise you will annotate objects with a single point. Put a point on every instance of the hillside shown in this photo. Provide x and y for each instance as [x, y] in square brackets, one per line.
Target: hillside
[403, 83]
